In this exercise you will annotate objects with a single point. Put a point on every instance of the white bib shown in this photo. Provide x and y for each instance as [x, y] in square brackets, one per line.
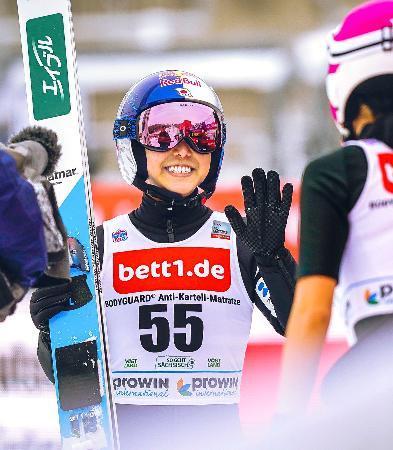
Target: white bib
[178, 315]
[366, 272]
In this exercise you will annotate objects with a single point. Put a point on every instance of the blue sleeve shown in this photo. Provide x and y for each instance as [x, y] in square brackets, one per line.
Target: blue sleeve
[23, 255]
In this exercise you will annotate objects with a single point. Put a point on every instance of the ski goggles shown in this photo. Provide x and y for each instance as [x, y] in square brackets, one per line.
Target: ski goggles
[162, 127]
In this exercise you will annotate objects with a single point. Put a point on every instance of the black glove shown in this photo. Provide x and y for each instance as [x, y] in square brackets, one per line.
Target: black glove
[266, 215]
[48, 301]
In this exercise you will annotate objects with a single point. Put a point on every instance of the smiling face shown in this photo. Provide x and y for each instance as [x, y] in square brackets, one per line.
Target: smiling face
[179, 170]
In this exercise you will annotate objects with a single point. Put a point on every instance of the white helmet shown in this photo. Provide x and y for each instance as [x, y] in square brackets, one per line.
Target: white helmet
[360, 49]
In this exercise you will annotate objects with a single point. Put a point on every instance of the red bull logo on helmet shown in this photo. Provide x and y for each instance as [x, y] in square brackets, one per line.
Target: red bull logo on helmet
[170, 78]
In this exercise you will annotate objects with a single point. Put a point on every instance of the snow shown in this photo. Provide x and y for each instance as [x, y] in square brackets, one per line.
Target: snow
[18, 330]
[28, 410]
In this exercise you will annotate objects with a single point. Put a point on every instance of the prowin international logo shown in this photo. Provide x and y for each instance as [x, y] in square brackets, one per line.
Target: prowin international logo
[140, 383]
[208, 386]
[183, 389]
[383, 294]
[137, 387]
[370, 297]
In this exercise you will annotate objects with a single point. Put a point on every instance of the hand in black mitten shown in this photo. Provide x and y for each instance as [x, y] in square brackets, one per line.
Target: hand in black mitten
[266, 214]
[48, 301]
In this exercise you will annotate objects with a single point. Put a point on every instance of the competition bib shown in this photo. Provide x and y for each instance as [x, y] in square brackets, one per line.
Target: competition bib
[366, 272]
[178, 315]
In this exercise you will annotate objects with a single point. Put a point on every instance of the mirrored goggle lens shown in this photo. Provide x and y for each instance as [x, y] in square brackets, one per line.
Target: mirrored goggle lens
[162, 127]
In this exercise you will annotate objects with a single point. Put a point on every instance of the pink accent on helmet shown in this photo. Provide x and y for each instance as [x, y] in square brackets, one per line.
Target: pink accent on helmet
[333, 68]
[368, 17]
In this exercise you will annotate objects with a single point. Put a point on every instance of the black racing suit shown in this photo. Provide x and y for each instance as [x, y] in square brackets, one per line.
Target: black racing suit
[161, 224]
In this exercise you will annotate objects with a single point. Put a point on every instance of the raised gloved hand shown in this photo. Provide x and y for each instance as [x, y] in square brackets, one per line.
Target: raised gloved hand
[266, 215]
[46, 302]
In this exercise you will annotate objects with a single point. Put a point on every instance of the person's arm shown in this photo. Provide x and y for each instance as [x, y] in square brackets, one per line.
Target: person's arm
[33, 238]
[306, 333]
[23, 255]
[331, 186]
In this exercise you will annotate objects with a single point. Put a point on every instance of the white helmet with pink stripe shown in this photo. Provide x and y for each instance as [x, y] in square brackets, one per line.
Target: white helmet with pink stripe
[360, 49]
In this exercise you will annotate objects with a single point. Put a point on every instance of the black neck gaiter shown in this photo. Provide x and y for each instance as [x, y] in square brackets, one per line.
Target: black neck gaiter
[161, 223]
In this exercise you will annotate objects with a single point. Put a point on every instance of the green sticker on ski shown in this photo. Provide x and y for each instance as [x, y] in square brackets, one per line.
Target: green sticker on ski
[48, 67]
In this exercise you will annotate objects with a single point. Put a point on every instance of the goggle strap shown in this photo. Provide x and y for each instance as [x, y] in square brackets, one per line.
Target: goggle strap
[224, 134]
[125, 128]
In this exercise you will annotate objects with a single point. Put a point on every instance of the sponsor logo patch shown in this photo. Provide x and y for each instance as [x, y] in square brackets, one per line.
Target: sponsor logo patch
[130, 363]
[175, 362]
[383, 295]
[184, 92]
[58, 176]
[48, 66]
[386, 166]
[263, 293]
[141, 387]
[183, 389]
[213, 362]
[380, 203]
[185, 268]
[221, 230]
[170, 78]
[209, 387]
[119, 235]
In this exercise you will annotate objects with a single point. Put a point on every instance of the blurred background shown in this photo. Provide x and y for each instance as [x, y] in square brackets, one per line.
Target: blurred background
[266, 59]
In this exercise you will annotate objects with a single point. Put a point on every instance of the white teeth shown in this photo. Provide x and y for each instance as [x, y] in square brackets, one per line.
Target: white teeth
[179, 169]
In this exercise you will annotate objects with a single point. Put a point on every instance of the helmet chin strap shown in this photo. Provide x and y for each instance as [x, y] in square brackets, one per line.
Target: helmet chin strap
[168, 198]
